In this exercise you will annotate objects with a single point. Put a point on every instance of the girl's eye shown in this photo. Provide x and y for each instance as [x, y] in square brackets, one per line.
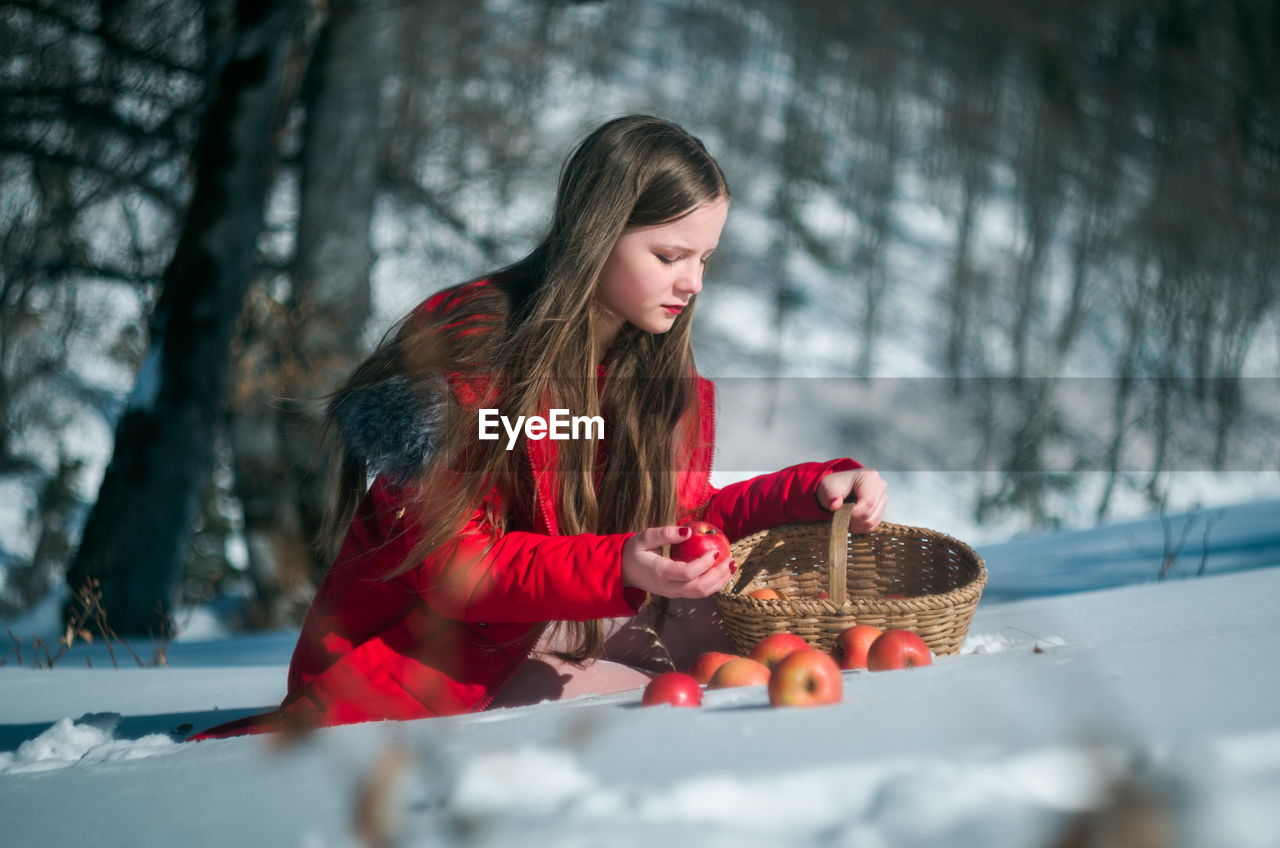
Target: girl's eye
[664, 260]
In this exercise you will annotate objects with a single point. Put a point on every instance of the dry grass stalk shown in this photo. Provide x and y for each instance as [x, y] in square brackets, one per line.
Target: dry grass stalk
[376, 822]
[1131, 816]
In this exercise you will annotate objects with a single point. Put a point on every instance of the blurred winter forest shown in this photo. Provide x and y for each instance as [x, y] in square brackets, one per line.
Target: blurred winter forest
[211, 211]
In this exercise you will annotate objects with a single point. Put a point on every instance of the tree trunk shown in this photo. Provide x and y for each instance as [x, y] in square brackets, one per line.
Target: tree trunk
[134, 539]
[331, 286]
[279, 471]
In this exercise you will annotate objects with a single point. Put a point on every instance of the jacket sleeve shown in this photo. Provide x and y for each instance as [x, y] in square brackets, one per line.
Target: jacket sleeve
[485, 576]
[769, 500]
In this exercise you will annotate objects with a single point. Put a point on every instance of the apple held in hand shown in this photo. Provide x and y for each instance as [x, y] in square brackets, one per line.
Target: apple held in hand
[674, 688]
[898, 649]
[806, 678]
[772, 650]
[705, 537]
[739, 671]
[706, 665]
[853, 643]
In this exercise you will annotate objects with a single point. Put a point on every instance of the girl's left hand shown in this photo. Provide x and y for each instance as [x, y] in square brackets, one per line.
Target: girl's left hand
[869, 491]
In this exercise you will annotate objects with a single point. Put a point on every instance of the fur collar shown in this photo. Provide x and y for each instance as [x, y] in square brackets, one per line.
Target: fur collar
[391, 426]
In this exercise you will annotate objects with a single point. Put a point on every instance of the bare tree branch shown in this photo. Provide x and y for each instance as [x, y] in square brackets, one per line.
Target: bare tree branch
[117, 46]
[166, 196]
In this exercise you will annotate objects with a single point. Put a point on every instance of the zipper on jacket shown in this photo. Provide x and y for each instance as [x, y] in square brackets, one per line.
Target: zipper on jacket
[497, 690]
[705, 497]
[539, 507]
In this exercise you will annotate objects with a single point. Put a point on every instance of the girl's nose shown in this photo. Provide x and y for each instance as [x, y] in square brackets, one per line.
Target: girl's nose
[690, 282]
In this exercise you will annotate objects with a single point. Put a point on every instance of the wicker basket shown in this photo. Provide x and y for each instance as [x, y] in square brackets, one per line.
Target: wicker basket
[941, 577]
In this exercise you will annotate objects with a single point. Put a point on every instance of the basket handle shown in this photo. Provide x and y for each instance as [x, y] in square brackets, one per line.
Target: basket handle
[838, 555]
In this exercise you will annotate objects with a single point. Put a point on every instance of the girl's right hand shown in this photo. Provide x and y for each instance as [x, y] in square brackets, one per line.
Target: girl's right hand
[644, 566]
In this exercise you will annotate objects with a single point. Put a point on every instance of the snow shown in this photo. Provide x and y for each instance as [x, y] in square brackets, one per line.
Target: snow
[89, 740]
[1153, 699]
[524, 780]
[1217, 540]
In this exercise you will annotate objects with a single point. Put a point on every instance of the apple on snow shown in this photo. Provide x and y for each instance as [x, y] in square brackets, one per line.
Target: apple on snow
[774, 648]
[706, 664]
[852, 645]
[807, 678]
[674, 688]
[739, 671]
[898, 649]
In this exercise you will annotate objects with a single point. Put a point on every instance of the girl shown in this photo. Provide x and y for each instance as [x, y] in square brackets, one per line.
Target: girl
[482, 572]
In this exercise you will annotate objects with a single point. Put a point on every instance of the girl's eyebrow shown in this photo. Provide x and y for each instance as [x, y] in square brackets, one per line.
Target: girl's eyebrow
[680, 248]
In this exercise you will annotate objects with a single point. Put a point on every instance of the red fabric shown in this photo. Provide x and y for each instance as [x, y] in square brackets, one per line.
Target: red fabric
[444, 637]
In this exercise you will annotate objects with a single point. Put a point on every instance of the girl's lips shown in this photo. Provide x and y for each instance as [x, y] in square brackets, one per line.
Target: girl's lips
[674, 310]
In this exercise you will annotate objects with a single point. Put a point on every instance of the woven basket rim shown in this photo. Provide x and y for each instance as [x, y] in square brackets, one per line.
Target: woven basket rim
[820, 606]
[793, 607]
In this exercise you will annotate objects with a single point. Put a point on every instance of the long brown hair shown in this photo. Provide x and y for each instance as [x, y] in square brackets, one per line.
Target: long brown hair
[528, 339]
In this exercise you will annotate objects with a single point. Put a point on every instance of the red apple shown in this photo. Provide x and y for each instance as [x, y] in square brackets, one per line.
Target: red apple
[705, 537]
[772, 650]
[898, 649]
[765, 594]
[851, 646]
[807, 678]
[739, 671]
[674, 688]
[895, 595]
[706, 664]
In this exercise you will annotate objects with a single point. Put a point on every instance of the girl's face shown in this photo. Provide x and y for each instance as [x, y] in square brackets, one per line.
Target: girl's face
[653, 272]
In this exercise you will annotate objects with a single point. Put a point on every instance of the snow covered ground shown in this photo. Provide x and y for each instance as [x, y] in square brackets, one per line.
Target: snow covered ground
[1149, 706]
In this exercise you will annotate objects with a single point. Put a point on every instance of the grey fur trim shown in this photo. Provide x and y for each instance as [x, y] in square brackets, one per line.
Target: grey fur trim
[391, 426]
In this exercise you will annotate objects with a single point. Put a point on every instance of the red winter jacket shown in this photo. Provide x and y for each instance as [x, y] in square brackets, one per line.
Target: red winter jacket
[444, 637]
